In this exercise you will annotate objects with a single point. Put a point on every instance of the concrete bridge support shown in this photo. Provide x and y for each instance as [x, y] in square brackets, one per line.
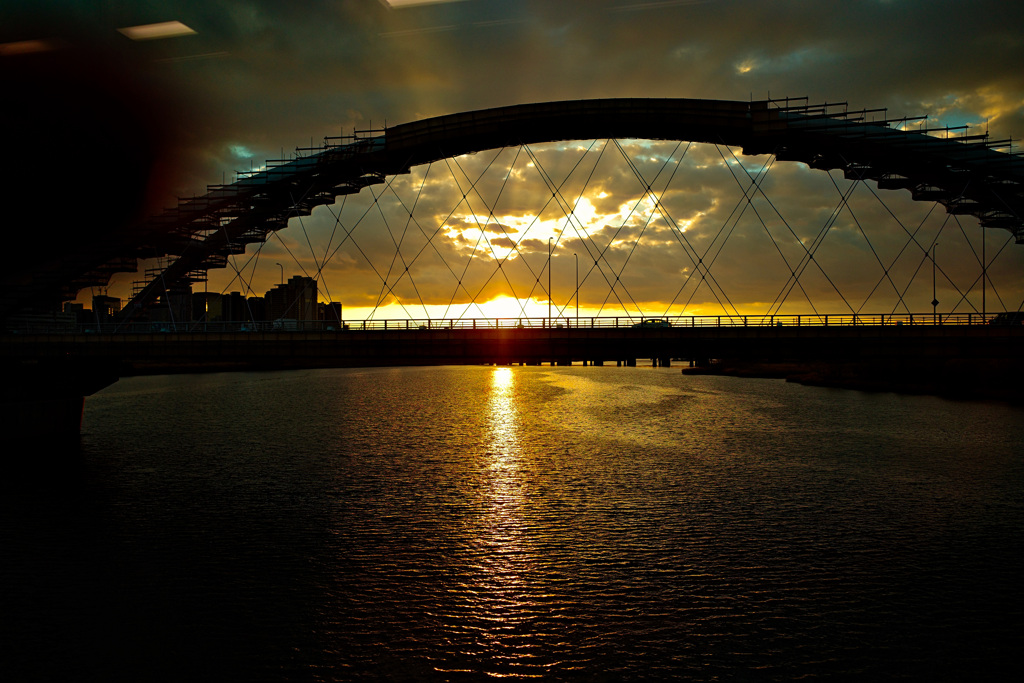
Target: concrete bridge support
[41, 402]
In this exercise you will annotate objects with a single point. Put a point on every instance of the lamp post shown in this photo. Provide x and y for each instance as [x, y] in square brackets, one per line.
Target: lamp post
[549, 282]
[576, 256]
[282, 272]
[935, 301]
[984, 273]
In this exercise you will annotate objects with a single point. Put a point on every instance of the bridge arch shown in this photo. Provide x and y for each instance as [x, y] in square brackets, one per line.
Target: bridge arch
[967, 174]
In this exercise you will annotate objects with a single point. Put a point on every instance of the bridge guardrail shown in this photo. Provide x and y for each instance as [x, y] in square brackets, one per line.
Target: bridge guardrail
[45, 326]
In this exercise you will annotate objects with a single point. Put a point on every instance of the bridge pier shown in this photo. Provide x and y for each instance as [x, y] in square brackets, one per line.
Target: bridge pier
[43, 402]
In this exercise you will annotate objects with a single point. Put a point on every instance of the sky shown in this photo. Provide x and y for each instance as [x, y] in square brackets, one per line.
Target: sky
[235, 83]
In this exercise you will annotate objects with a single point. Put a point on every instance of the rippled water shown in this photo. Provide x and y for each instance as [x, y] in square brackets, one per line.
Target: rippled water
[476, 522]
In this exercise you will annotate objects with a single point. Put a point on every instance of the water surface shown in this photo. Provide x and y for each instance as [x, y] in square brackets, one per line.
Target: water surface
[472, 522]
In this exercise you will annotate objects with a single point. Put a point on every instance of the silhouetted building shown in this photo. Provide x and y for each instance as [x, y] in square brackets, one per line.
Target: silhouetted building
[78, 310]
[255, 309]
[207, 307]
[331, 312]
[104, 308]
[174, 306]
[294, 300]
[234, 308]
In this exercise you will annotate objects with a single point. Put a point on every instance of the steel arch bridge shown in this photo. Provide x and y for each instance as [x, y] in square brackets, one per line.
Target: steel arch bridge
[966, 174]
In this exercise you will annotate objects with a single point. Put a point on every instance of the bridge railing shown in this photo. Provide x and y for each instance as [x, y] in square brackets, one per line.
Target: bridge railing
[54, 326]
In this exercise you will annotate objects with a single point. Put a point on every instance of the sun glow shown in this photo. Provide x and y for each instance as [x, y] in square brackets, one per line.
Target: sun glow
[509, 307]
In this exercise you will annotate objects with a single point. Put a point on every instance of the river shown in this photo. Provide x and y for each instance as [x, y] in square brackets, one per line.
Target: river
[467, 523]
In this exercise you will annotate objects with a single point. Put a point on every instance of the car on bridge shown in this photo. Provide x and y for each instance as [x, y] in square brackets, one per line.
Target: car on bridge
[1008, 318]
[653, 322]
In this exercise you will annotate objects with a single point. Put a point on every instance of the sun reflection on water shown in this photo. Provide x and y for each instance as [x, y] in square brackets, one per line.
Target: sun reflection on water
[504, 452]
[503, 419]
[499, 599]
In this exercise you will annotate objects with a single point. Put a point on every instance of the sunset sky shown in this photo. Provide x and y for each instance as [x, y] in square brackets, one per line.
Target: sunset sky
[245, 81]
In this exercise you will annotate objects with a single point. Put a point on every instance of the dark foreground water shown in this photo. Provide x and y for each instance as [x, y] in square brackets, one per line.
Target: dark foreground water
[565, 523]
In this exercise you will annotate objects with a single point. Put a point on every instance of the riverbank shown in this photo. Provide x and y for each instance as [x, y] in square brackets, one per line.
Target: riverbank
[950, 378]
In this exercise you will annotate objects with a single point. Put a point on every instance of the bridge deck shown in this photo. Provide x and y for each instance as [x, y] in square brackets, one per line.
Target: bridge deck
[465, 345]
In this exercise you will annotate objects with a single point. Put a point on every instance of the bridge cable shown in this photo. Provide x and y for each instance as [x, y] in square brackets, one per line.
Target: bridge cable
[483, 235]
[745, 201]
[334, 231]
[326, 258]
[348, 236]
[578, 225]
[684, 242]
[430, 237]
[349, 232]
[741, 205]
[978, 260]
[309, 243]
[706, 277]
[567, 208]
[925, 256]
[885, 270]
[293, 210]
[912, 239]
[695, 258]
[569, 213]
[483, 229]
[980, 276]
[808, 258]
[749, 194]
[398, 245]
[899, 254]
[602, 252]
[246, 284]
[656, 199]
[411, 211]
[298, 263]
[756, 185]
[398, 256]
[386, 289]
[984, 272]
[611, 241]
[295, 213]
[816, 245]
[557, 197]
[290, 253]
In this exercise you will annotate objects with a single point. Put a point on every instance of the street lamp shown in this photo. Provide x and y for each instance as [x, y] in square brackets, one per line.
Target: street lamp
[549, 281]
[935, 301]
[576, 256]
[984, 272]
[282, 272]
